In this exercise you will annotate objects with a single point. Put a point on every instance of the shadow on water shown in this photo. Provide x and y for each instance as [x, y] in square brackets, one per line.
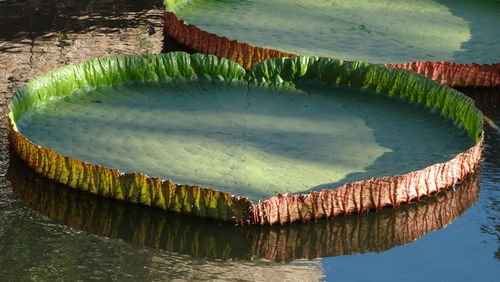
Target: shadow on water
[41, 18]
[371, 232]
[486, 99]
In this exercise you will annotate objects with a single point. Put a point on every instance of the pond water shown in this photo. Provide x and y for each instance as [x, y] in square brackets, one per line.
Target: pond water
[66, 235]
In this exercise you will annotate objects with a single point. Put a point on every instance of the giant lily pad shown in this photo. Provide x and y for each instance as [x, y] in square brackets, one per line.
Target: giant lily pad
[186, 133]
[417, 35]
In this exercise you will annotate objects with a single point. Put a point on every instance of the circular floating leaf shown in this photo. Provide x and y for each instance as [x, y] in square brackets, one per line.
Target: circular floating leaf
[184, 133]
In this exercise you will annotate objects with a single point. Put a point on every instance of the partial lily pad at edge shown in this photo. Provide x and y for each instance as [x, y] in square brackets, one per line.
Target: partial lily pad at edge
[441, 68]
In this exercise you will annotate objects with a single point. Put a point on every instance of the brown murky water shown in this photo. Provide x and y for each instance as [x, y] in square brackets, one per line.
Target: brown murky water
[46, 235]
